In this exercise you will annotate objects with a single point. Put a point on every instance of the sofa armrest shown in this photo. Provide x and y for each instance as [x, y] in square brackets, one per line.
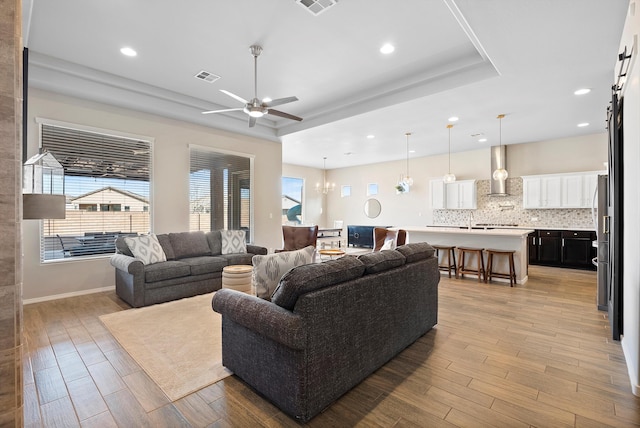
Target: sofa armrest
[261, 316]
[256, 249]
[127, 264]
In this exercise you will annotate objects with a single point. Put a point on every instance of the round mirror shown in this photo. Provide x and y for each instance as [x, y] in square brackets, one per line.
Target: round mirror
[372, 208]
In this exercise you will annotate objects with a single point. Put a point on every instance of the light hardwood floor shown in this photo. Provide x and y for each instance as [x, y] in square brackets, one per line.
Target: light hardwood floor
[537, 355]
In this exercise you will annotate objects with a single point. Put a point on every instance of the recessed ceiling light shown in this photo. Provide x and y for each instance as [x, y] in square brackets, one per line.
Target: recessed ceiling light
[128, 51]
[371, 136]
[387, 48]
[583, 124]
[482, 140]
[582, 91]
[454, 119]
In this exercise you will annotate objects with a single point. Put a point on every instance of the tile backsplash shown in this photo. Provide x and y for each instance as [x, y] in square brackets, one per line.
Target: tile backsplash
[508, 210]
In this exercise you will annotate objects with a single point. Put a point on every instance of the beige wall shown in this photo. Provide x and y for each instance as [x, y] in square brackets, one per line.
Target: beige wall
[170, 193]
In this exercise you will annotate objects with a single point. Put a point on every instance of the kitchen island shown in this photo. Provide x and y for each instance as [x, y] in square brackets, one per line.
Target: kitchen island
[499, 239]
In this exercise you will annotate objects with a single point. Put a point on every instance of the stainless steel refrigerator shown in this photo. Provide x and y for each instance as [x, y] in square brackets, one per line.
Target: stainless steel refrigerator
[601, 222]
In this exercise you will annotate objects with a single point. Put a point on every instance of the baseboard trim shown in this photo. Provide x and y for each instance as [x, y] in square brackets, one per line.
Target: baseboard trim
[65, 295]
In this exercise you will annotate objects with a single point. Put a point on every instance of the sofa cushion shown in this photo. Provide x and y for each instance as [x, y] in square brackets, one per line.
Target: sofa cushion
[307, 278]
[205, 264]
[166, 270]
[416, 251]
[165, 243]
[233, 241]
[215, 242]
[268, 269]
[189, 244]
[122, 247]
[381, 260]
[146, 248]
[237, 259]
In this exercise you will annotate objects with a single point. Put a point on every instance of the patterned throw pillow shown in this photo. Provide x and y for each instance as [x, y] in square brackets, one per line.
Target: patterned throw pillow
[233, 242]
[146, 248]
[267, 270]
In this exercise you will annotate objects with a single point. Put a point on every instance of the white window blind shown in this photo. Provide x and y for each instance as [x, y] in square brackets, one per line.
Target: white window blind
[219, 191]
[106, 184]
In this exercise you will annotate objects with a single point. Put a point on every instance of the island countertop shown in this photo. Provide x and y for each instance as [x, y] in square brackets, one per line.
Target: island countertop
[488, 231]
[498, 238]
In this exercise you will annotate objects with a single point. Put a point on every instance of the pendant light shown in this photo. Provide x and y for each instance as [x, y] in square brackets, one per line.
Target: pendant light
[325, 187]
[448, 177]
[500, 173]
[407, 178]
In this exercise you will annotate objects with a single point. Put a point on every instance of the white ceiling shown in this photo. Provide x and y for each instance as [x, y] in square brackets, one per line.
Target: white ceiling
[468, 58]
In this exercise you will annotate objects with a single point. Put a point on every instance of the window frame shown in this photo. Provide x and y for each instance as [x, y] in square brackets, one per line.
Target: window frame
[40, 122]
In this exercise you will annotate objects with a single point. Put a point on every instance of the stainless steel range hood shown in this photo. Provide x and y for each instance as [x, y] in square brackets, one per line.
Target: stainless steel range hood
[498, 160]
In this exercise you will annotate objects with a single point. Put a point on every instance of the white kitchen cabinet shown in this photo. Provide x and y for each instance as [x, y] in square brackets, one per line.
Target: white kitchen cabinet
[573, 190]
[458, 195]
[437, 194]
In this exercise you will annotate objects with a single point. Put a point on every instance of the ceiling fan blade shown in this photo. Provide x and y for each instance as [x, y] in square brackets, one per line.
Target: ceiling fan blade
[221, 111]
[283, 114]
[252, 121]
[280, 101]
[234, 96]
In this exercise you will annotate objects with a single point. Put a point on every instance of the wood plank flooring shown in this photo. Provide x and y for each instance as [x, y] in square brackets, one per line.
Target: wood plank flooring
[536, 355]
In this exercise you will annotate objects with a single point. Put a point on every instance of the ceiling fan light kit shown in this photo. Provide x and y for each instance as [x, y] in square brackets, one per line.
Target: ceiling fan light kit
[256, 108]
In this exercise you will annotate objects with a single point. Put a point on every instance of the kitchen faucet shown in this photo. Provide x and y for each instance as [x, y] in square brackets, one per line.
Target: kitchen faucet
[470, 219]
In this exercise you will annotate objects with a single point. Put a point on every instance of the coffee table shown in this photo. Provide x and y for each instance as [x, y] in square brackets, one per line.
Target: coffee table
[331, 252]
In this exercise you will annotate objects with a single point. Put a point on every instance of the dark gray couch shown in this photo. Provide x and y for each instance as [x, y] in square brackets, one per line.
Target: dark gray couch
[194, 266]
[329, 325]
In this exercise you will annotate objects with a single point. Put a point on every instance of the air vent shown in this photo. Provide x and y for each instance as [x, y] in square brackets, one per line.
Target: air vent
[316, 7]
[206, 76]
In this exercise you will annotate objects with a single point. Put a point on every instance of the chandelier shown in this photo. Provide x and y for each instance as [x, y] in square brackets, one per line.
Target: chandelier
[325, 187]
[448, 177]
[406, 179]
[500, 173]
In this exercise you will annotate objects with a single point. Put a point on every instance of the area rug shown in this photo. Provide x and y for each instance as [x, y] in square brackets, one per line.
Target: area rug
[178, 344]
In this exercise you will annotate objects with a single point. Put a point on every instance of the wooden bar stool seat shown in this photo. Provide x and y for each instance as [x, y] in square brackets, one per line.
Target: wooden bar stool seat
[462, 268]
[511, 276]
[448, 259]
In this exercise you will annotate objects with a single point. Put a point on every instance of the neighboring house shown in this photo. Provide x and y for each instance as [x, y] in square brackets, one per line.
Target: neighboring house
[110, 199]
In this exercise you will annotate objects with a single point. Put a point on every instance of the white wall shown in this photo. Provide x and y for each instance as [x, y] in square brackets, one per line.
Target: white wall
[631, 213]
[170, 193]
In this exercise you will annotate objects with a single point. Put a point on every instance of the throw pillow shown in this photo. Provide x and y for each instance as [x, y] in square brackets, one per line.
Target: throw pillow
[146, 248]
[268, 269]
[233, 241]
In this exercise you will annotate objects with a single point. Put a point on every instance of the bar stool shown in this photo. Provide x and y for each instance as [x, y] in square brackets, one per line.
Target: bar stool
[511, 276]
[462, 269]
[450, 257]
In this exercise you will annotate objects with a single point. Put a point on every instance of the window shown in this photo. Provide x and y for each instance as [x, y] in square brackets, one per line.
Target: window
[220, 189]
[102, 173]
[292, 200]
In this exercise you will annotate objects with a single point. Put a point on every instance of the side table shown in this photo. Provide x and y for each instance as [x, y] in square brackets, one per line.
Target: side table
[238, 277]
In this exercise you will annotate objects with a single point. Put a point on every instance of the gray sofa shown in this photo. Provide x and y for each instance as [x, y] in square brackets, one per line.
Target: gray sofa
[194, 266]
[329, 325]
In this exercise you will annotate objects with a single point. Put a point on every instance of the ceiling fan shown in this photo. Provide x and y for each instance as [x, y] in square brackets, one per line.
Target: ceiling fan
[257, 108]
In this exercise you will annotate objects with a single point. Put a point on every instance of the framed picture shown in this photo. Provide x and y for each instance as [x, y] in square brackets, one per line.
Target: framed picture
[345, 191]
[372, 189]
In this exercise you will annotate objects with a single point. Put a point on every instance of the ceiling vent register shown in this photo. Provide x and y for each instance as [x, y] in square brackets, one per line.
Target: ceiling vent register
[206, 76]
[316, 7]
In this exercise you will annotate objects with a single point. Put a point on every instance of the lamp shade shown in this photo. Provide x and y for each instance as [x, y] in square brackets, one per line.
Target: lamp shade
[36, 206]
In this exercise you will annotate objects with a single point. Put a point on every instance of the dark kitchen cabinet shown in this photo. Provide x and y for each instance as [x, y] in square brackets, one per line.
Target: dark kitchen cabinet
[562, 248]
[577, 249]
